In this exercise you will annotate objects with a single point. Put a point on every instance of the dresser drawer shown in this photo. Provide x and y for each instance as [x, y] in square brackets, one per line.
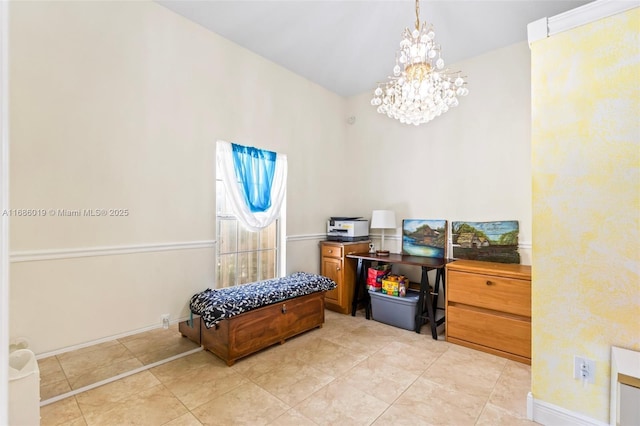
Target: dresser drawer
[508, 334]
[490, 292]
[331, 250]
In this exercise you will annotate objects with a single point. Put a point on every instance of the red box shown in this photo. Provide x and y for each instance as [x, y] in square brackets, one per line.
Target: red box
[374, 285]
[375, 277]
[376, 274]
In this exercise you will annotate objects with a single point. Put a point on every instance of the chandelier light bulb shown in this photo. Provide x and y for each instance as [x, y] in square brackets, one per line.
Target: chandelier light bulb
[421, 87]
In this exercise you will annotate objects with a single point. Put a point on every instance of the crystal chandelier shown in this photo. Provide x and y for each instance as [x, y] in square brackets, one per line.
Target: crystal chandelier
[421, 87]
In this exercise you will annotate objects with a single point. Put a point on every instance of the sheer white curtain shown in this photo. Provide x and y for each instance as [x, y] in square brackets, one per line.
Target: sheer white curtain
[254, 221]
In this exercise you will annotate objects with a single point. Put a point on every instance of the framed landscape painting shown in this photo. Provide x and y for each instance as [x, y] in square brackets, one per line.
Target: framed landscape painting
[421, 237]
[487, 241]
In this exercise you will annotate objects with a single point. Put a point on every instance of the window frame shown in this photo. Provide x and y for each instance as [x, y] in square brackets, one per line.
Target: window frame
[280, 239]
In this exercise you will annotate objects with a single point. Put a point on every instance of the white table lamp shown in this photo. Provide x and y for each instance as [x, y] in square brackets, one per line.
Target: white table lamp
[383, 219]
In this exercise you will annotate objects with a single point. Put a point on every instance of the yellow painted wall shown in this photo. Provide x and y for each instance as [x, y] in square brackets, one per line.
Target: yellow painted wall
[586, 207]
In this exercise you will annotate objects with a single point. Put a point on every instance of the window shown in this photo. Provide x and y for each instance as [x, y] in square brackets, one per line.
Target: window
[243, 256]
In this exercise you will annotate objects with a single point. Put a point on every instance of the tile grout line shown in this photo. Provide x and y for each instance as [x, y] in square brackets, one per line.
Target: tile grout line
[179, 400]
[66, 376]
[409, 386]
[401, 394]
[115, 378]
[493, 389]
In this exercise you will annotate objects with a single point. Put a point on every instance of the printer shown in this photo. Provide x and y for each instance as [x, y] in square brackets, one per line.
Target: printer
[347, 229]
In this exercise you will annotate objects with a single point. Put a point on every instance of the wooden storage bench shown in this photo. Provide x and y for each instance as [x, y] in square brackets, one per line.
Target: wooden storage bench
[234, 322]
[244, 334]
[191, 329]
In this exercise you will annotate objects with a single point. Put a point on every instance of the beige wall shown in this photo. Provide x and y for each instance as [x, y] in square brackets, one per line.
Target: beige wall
[117, 105]
[472, 163]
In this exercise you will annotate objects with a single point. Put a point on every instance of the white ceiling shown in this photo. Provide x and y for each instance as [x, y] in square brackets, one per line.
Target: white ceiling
[349, 46]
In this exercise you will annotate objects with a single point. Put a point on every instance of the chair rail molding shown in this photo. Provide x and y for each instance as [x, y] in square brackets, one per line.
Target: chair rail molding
[525, 245]
[305, 237]
[70, 253]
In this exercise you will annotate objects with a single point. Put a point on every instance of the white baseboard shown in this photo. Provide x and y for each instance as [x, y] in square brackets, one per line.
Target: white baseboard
[552, 415]
[104, 339]
[118, 377]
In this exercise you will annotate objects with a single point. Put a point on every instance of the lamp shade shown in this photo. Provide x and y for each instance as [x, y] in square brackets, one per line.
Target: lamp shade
[383, 219]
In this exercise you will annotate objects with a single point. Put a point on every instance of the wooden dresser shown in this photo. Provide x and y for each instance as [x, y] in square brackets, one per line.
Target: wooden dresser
[488, 308]
[334, 265]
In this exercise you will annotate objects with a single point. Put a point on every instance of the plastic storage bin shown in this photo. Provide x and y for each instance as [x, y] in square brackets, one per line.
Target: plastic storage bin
[394, 310]
[24, 388]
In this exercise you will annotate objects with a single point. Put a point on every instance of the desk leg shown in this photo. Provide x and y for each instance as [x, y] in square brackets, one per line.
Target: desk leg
[436, 291]
[424, 293]
[426, 298]
[366, 299]
[443, 275]
[440, 277]
[361, 286]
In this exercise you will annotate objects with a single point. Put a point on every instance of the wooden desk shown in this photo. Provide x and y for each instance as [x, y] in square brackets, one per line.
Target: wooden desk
[427, 299]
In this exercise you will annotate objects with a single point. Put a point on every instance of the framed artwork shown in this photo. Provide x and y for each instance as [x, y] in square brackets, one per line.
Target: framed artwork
[421, 237]
[487, 241]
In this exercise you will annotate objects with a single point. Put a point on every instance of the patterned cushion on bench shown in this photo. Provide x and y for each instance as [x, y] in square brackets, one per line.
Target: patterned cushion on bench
[218, 304]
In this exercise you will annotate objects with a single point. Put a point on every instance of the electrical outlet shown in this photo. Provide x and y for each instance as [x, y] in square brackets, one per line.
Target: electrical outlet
[584, 369]
[165, 320]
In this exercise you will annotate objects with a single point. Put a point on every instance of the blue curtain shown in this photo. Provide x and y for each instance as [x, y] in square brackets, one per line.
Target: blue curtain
[255, 169]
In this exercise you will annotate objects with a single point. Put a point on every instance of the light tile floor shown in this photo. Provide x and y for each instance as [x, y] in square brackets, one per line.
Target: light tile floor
[62, 373]
[350, 372]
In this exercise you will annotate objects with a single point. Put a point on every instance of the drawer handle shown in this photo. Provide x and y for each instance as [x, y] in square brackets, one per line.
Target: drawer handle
[284, 309]
[337, 268]
[490, 282]
[330, 251]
